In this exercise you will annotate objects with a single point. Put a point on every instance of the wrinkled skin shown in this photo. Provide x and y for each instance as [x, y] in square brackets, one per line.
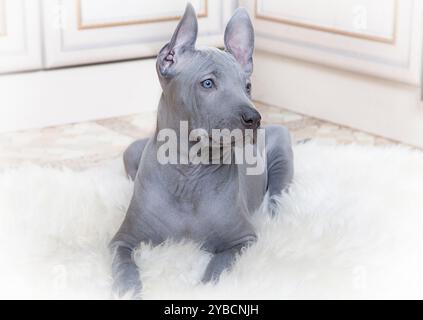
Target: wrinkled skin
[210, 204]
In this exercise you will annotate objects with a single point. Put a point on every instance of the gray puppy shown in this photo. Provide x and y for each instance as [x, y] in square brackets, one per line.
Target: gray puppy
[208, 203]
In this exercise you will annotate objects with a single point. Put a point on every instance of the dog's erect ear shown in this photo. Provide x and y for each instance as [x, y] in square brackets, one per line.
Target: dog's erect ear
[239, 39]
[183, 41]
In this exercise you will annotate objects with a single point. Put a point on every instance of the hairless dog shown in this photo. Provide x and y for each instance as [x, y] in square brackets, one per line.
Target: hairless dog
[212, 204]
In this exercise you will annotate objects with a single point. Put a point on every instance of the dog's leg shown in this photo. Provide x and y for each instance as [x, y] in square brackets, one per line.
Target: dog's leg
[124, 271]
[132, 157]
[280, 162]
[223, 260]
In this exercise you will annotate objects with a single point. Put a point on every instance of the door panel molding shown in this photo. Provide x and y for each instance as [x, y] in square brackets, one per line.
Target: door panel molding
[397, 60]
[66, 44]
[260, 14]
[84, 26]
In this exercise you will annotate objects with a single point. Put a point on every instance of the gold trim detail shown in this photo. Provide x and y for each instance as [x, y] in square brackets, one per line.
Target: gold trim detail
[391, 40]
[3, 26]
[81, 26]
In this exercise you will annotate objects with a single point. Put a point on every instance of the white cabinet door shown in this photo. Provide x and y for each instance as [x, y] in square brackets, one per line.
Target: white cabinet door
[90, 31]
[20, 44]
[376, 37]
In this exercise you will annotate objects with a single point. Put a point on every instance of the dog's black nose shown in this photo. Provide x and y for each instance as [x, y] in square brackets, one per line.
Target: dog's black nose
[251, 119]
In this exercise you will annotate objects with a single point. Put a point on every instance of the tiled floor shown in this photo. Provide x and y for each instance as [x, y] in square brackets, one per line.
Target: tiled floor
[83, 145]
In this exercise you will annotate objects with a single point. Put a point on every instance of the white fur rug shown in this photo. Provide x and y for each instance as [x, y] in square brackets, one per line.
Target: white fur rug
[351, 227]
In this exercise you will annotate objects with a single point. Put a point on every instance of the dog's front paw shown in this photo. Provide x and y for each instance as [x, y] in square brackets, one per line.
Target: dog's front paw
[126, 291]
[127, 287]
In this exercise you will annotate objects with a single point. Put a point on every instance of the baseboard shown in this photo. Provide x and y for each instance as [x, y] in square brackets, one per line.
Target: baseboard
[377, 106]
[48, 98]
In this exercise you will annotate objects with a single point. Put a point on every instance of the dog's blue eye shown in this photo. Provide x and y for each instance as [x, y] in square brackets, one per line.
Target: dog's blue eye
[208, 84]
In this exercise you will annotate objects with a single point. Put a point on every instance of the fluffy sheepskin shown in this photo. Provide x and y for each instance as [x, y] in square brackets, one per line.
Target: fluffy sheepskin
[350, 227]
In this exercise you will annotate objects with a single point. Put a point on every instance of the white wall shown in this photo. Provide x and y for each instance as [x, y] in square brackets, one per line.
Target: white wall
[372, 104]
[41, 99]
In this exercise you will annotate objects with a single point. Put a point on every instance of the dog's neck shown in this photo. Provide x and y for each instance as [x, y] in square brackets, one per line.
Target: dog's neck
[167, 119]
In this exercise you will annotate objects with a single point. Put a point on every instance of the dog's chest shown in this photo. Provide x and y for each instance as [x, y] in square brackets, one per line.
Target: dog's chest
[204, 212]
